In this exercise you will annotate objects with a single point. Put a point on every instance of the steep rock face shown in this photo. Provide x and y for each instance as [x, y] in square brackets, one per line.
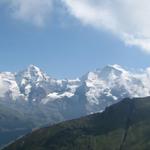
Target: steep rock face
[123, 126]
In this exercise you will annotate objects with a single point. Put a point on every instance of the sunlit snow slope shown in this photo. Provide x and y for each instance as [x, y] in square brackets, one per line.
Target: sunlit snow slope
[31, 91]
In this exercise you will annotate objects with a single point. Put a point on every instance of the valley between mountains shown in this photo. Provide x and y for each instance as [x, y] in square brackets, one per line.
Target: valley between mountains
[122, 126]
[30, 99]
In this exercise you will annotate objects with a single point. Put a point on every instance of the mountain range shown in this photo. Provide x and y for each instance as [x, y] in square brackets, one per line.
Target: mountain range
[34, 99]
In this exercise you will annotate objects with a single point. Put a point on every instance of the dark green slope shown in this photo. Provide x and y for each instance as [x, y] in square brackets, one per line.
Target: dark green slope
[123, 126]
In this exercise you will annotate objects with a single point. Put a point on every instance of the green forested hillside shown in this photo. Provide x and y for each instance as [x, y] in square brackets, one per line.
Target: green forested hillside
[123, 126]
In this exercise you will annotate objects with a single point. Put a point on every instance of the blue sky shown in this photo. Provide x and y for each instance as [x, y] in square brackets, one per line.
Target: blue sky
[63, 46]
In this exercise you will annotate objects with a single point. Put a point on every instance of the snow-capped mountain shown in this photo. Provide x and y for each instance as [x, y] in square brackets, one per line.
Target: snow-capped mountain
[47, 99]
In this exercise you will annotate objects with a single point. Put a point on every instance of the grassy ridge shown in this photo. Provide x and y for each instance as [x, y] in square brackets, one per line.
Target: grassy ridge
[123, 126]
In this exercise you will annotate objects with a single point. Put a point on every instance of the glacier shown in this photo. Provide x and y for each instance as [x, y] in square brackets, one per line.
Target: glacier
[45, 99]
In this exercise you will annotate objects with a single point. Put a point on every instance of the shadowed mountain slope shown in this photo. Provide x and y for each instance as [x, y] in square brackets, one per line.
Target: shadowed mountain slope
[123, 126]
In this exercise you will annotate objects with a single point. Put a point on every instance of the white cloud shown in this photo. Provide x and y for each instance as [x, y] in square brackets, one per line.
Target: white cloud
[127, 19]
[34, 11]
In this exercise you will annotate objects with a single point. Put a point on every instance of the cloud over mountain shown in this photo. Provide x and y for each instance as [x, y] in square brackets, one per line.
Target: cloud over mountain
[128, 20]
[33, 11]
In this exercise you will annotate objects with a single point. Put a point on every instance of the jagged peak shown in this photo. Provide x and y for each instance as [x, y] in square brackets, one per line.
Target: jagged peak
[32, 72]
[31, 66]
[115, 67]
[118, 67]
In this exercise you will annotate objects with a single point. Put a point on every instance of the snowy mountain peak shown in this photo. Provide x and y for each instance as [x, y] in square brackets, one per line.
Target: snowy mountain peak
[101, 87]
[35, 72]
[32, 74]
[117, 67]
[33, 67]
[111, 71]
[32, 90]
